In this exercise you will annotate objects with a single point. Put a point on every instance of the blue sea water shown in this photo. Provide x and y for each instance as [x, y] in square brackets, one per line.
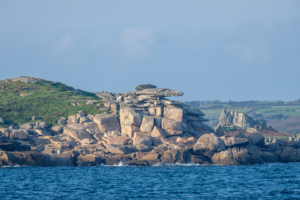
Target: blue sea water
[268, 181]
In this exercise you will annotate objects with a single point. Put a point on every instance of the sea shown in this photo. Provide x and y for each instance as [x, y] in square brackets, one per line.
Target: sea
[266, 181]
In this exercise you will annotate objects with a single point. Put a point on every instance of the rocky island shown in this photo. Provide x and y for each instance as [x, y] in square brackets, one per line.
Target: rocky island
[138, 128]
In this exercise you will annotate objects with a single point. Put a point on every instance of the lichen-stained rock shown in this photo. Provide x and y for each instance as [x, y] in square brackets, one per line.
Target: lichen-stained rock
[208, 144]
[91, 127]
[173, 112]
[161, 92]
[5, 132]
[147, 124]
[142, 138]
[156, 111]
[78, 134]
[171, 132]
[193, 111]
[107, 122]
[72, 119]
[130, 121]
[129, 117]
[120, 140]
[130, 130]
[234, 141]
[18, 134]
[171, 127]
[171, 124]
[158, 133]
[257, 139]
[120, 149]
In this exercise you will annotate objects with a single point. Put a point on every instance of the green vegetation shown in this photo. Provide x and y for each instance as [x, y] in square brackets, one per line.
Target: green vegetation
[20, 101]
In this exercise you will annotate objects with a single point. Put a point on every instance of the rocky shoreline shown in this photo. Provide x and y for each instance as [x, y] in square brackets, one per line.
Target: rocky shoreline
[139, 128]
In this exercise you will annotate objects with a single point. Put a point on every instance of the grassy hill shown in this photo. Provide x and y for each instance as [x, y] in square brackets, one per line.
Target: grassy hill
[19, 101]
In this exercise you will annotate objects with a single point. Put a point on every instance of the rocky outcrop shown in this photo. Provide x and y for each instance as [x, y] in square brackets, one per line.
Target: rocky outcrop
[242, 120]
[139, 128]
[294, 137]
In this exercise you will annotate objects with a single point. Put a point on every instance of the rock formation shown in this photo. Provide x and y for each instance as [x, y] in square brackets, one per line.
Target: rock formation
[294, 137]
[241, 120]
[140, 128]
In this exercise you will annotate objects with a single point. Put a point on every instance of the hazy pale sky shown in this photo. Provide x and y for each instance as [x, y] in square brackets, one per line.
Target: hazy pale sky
[210, 50]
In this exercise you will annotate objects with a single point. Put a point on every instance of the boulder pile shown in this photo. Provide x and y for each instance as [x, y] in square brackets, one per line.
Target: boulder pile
[138, 128]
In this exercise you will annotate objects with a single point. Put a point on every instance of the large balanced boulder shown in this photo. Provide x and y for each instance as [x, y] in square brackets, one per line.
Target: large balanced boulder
[144, 86]
[208, 144]
[161, 92]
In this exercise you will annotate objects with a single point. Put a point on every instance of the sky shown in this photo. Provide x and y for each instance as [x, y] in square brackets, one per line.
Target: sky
[210, 50]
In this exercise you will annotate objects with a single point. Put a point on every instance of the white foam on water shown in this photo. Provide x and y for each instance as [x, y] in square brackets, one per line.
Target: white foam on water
[121, 164]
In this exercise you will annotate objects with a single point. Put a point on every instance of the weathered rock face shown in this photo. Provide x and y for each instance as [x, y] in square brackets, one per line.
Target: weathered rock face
[173, 112]
[241, 120]
[130, 121]
[107, 122]
[208, 144]
[142, 138]
[147, 124]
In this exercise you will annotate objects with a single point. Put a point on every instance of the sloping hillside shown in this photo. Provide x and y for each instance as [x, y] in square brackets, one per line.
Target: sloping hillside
[24, 97]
